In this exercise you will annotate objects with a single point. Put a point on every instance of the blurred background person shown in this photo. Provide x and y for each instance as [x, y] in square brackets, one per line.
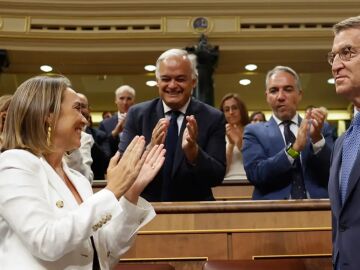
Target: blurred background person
[4, 104]
[100, 159]
[257, 116]
[106, 114]
[62, 225]
[237, 118]
[113, 126]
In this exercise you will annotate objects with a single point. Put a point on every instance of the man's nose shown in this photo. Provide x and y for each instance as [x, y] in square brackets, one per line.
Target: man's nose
[172, 84]
[281, 94]
[337, 64]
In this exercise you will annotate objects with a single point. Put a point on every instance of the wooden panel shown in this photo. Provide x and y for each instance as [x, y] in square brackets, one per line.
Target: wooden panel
[269, 244]
[190, 233]
[283, 264]
[180, 246]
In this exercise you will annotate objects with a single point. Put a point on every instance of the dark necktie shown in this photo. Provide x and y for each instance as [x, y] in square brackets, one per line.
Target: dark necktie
[349, 152]
[298, 190]
[170, 146]
[96, 264]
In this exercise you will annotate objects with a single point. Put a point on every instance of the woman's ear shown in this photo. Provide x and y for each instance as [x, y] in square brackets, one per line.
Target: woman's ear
[50, 119]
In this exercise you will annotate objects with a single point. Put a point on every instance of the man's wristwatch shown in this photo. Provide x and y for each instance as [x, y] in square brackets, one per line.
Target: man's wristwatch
[292, 152]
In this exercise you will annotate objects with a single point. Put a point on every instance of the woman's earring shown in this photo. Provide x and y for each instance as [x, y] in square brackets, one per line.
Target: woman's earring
[49, 136]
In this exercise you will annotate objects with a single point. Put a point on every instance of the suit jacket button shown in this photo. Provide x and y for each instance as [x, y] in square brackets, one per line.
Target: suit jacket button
[60, 204]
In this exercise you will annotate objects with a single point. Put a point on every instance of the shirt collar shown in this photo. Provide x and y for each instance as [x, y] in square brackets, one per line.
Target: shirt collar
[182, 109]
[294, 120]
[121, 115]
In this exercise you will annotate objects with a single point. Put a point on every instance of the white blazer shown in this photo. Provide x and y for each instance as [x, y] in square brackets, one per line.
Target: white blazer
[43, 227]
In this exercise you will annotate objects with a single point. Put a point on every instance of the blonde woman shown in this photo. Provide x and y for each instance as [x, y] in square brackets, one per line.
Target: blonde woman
[49, 217]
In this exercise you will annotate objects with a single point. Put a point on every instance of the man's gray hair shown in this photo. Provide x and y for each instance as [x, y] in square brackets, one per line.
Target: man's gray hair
[283, 69]
[125, 88]
[178, 53]
[352, 22]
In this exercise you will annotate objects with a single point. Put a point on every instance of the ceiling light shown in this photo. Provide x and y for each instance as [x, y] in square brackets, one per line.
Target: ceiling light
[46, 68]
[150, 68]
[331, 81]
[244, 81]
[251, 67]
[151, 83]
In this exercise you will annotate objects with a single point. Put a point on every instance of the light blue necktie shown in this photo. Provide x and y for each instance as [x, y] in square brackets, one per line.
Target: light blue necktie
[349, 152]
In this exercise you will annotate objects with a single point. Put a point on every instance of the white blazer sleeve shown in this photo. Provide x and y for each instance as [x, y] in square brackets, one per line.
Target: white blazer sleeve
[25, 199]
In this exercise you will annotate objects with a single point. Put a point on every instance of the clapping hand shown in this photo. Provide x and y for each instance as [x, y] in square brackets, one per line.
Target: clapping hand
[189, 139]
[121, 173]
[153, 160]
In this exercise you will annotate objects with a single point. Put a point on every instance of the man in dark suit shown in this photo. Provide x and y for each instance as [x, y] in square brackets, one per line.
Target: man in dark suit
[98, 154]
[287, 157]
[344, 185]
[113, 126]
[195, 162]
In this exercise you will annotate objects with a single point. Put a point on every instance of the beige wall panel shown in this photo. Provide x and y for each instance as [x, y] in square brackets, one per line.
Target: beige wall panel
[247, 245]
[13, 24]
[224, 25]
[178, 24]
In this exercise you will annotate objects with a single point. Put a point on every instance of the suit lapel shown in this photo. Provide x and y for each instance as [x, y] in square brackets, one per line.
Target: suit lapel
[81, 184]
[334, 189]
[59, 185]
[274, 134]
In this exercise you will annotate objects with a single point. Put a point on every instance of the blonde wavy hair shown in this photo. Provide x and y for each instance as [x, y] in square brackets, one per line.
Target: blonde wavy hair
[27, 121]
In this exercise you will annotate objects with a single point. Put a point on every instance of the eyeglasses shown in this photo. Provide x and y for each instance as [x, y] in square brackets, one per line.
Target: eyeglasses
[345, 54]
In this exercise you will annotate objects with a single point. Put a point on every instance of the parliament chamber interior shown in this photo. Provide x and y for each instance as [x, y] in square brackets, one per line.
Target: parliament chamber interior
[100, 45]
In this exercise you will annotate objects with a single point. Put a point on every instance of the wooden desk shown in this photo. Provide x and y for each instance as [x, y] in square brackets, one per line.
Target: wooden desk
[230, 190]
[189, 233]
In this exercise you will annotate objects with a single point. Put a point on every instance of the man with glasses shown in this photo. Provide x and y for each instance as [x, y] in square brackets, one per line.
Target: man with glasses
[287, 157]
[344, 186]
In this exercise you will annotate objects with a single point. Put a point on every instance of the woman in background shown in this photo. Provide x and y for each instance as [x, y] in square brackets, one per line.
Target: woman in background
[49, 217]
[257, 117]
[237, 118]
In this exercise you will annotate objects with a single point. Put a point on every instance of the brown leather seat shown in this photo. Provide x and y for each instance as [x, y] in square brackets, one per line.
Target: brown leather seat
[270, 264]
[143, 266]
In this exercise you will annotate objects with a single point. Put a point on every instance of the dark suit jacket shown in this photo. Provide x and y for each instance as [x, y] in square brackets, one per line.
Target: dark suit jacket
[346, 217]
[268, 168]
[111, 144]
[189, 182]
[98, 154]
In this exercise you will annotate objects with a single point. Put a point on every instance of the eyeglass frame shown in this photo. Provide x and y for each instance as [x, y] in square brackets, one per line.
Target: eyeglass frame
[345, 54]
